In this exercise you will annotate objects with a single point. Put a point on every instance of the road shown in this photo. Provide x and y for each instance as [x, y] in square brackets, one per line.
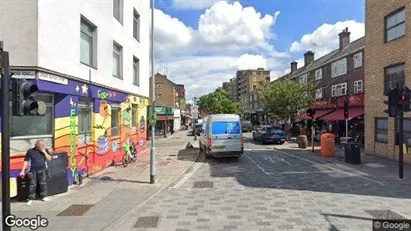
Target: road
[269, 189]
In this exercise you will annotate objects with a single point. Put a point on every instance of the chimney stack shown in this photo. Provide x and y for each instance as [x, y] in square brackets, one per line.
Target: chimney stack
[308, 58]
[293, 66]
[344, 38]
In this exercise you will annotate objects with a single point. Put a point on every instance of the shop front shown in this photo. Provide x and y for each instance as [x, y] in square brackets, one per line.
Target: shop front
[88, 122]
[165, 120]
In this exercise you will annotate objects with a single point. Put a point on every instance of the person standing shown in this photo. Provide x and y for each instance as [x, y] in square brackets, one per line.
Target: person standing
[37, 175]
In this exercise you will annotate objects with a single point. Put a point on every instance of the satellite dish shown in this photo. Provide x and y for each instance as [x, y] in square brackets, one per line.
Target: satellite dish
[41, 108]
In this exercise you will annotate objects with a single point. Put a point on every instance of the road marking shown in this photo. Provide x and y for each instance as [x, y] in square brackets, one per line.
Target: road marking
[331, 168]
[186, 177]
[305, 172]
[258, 166]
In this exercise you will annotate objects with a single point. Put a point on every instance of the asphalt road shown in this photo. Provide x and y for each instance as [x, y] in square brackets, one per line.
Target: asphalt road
[269, 189]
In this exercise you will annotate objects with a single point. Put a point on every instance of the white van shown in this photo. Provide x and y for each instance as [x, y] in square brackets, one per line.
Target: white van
[222, 136]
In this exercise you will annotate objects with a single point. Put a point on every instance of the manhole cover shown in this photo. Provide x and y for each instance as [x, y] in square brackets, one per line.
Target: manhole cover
[147, 222]
[75, 210]
[203, 184]
[385, 214]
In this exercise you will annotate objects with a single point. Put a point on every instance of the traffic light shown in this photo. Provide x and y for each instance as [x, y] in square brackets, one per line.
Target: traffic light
[24, 99]
[392, 102]
[405, 97]
[310, 112]
[346, 109]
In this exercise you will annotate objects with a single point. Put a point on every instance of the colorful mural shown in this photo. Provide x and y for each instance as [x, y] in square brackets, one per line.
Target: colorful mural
[91, 152]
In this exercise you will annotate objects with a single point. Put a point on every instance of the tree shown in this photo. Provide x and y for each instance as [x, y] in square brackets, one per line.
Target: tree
[285, 98]
[218, 102]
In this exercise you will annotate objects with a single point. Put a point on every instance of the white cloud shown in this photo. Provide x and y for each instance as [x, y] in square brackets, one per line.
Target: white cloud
[325, 37]
[224, 26]
[192, 5]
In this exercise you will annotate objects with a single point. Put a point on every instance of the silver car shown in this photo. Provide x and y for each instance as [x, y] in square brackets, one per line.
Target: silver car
[247, 126]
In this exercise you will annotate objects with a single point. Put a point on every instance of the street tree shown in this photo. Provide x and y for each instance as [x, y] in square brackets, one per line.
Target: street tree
[284, 98]
[217, 102]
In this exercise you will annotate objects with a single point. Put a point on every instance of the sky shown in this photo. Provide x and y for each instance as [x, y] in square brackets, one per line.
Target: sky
[202, 43]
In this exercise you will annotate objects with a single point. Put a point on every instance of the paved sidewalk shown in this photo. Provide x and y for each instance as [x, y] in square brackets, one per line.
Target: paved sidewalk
[372, 165]
[110, 194]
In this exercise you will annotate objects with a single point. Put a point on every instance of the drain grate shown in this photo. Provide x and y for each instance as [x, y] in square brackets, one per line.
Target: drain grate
[147, 222]
[385, 214]
[75, 211]
[203, 184]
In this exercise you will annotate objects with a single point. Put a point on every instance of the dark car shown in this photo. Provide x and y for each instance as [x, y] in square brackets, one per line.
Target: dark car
[269, 135]
[198, 129]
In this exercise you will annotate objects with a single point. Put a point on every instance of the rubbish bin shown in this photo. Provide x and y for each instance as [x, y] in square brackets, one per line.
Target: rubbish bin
[302, 141]
[327, 145]
[352, 153]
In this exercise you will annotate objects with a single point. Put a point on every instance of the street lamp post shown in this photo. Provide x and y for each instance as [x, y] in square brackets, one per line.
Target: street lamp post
[195, 118]
[153, 132]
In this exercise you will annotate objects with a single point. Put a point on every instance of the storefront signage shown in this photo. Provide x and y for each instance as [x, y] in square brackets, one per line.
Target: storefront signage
[73, 136]
[24, 74]
[353, 100]
[53, 78]
[164, 110]
[177, 113]
[328, 103]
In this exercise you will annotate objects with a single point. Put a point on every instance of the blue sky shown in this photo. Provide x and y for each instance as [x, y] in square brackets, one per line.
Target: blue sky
[296, 19]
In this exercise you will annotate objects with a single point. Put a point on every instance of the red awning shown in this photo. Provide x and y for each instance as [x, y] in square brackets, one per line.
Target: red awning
[318, 113]
[339, 114]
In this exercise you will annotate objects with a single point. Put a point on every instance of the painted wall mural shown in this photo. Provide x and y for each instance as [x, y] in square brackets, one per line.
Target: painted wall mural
[103, 145]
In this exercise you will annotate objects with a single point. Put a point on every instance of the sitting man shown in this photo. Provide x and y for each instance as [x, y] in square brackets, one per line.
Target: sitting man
[37, 175]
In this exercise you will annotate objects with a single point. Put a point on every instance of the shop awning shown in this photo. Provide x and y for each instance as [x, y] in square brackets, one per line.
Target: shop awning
[339, 114]
[318, 113]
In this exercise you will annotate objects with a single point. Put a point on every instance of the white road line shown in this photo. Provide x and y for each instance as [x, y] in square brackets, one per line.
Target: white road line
[305, 172]
[186, 177]
[331, 168]
[258, 166]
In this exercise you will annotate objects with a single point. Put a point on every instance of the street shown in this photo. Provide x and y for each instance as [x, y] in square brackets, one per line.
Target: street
[266, 189]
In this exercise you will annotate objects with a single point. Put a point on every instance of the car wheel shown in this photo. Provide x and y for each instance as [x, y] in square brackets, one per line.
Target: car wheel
[282, 142]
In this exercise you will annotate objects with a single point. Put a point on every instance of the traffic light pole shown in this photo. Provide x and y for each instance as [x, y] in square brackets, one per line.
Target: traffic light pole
[400, 145]
[5, 139]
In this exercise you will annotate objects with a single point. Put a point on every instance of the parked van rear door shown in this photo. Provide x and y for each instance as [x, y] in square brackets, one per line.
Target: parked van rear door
[226, 136]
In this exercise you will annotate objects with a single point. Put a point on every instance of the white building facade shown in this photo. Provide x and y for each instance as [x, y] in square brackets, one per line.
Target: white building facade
[90, 60]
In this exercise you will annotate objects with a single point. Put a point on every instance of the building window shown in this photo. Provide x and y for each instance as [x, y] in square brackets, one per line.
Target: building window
[318, 74]
[338, 89]
[87, 40]
[381, 130]
[136, 25]
[395, 25]
[117, 62]
[134, 115]
[357, 58]
[115, 119]
[406, 130]
[117, 10]
[23, 126]
[136, 71]
[85, 109]
[394, 76]
[339, 68]
[158, 85]
[319, 93]
[303, 79]
[358, 88]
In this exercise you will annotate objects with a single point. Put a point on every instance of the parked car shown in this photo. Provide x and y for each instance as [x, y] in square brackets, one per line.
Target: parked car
[222, 136]
[247, 126]
[267, 134]
[198, 129]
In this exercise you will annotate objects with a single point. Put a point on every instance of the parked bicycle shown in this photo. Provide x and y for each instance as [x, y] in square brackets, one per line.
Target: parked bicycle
[130, 154]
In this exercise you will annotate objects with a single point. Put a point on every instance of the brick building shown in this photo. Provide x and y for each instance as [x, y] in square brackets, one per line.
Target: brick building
[338, 76]
[387, 62]
[249, 82]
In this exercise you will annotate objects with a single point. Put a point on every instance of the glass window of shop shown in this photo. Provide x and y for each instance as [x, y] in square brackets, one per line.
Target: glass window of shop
[381, 130]
[115, 119]
[406, 130]
[26, 126]
[133, 115]
[85, 109]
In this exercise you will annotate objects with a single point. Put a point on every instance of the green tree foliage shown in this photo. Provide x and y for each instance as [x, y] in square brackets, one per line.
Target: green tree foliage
[285, 98]
[217, 102]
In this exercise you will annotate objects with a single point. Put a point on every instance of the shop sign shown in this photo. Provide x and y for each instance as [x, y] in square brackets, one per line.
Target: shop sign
[353, 100]
[73, 136]
[177, 113]
[164, 110]
[53, 78]
[328, 103]
[24, 74]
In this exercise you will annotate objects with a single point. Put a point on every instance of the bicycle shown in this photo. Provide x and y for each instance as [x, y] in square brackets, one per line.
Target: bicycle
[130, 154]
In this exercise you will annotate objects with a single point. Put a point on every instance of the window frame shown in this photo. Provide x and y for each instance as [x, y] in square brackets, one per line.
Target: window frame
[118, 109]
[376, 129]
[91, 32]
[386, 29]
[136, 20]
[119, 53]
[120, 11]
[319, 90]
[358, 58]
[334, 89]
[336, 65]
[320, 71]
[356, 89]
[303, 77]
[136, 73]
[86, 104]
[402, 79]
[406, 133]
[134, 113]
